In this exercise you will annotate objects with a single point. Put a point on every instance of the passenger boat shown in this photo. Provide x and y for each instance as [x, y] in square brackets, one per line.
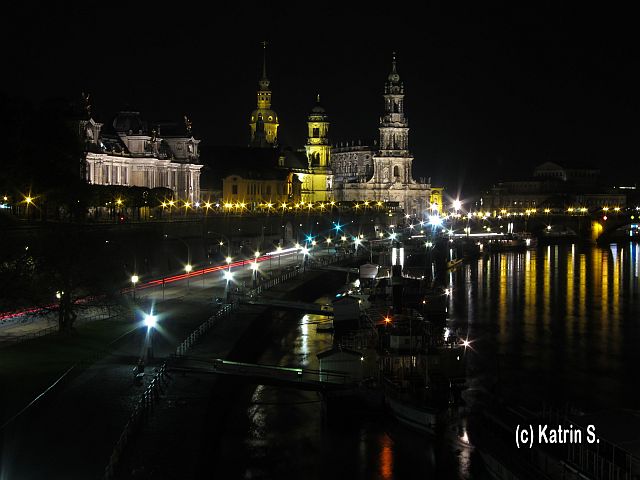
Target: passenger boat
[512, 242]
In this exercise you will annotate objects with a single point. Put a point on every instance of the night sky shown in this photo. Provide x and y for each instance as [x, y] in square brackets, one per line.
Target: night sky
[490, 92]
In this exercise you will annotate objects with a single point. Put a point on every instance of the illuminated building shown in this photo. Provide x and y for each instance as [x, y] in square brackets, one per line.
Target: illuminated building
[262, 187]
[132, 153]
[389, 176]
[381, 174]
[352, 163]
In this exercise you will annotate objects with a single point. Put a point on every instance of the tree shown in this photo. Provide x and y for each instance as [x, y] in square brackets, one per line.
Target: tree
[65, 269]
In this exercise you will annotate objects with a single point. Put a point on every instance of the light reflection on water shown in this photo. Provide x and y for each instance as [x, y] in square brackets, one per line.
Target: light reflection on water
[560, 323]
[285, 436]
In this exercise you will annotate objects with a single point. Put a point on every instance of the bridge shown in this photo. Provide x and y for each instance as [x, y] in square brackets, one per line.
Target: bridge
[289, 305]
[299, 378]
[592, 225]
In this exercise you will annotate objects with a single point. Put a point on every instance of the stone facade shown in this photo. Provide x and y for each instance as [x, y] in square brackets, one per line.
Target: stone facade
[384, 174]
[132, 154]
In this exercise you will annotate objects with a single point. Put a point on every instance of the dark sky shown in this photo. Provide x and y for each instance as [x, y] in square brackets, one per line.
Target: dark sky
[491, 92]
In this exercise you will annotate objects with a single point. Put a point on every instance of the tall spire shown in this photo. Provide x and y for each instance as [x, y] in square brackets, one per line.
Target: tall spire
[264, 59]
[264, 81]
[393, 76]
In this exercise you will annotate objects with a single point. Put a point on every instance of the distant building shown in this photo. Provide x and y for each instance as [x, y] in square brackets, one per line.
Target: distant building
[132, 152]
[553, 186]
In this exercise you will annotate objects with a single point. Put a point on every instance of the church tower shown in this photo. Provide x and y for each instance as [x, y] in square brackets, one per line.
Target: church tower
[392, 164]
[317, 147]
[392, 178]
[264, 121]
[317, 184]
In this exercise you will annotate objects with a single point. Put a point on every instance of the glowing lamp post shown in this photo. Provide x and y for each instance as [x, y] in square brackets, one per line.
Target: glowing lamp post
[254, 274]
[134, 280]
[150, 321]
[357, 242]
[187, 268]
[228, 276]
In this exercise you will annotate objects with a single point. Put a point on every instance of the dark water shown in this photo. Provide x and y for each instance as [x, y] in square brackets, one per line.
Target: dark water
[556, 325]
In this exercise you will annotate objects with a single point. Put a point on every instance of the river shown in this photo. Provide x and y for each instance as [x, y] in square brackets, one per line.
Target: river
[555, 325]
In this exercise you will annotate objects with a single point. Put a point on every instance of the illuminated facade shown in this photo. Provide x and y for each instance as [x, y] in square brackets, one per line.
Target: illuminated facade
[388, 177]
[130, 153]
[352, 163]
[436, 200]
[264, 121]
[316, 186]
[262, 187]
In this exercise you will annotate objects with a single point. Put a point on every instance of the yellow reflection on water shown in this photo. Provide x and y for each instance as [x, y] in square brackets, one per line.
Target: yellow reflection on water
[502, 294]
[530, 286]
[571, 258]
[582, 293]
[615, 294]
[546, 287]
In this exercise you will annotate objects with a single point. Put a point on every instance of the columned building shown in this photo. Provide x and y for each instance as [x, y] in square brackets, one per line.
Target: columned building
[130, 153]
[390, 177]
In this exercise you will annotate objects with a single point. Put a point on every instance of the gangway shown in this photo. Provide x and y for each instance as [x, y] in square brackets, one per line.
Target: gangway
[335, 268]
[300, 378]
[317, 308]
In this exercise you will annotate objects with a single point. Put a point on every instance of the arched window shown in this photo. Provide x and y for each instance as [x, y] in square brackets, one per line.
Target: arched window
[396, 171]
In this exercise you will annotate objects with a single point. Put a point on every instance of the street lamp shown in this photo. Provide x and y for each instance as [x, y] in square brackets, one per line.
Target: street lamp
[187, 268]
[228, 276]
[150, 321]
[134, 280]
[254, 274]
[279, 250]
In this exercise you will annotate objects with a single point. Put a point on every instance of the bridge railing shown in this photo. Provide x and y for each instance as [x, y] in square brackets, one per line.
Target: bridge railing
[140, 414]
[151, 395]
